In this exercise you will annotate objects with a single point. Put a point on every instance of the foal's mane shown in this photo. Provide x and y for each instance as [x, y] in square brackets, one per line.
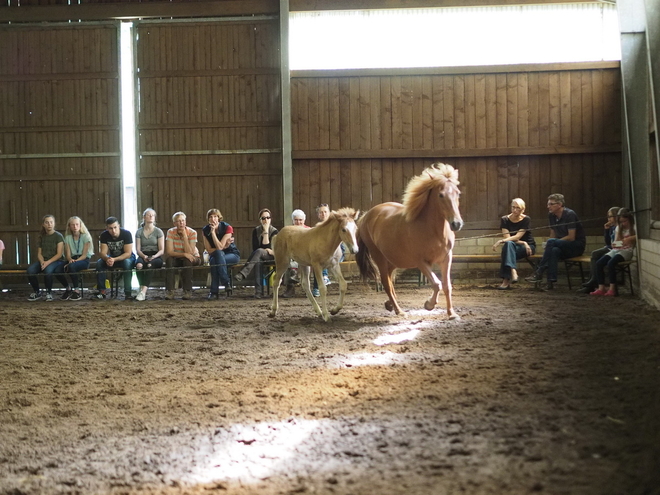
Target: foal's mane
[417, 192]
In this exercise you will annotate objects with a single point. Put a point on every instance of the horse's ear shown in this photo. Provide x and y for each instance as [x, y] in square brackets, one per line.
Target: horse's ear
[357, 214]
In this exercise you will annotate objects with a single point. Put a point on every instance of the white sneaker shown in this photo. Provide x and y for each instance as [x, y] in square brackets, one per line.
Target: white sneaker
[140, 296]
[35, 296]
[326, 280]
[49, 297]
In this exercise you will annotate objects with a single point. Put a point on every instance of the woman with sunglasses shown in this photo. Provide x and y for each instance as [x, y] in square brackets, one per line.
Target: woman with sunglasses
[262, 236]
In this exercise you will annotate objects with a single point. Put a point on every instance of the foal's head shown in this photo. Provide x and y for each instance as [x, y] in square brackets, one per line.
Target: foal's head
[346, 218]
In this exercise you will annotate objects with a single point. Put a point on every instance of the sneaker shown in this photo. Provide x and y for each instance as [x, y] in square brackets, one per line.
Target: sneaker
[66, 296]
[534, 278]
[35, 296]
[169, 295]
[548, 286]
[597, 292]
[49, 297]
[326, 280]
[187, 295]
[610, 293]
[75, 296]
[289, 292]
[99, 294]
[239, 277]
[213, 295]
[586, 290]
[316, 293]
[140, 296]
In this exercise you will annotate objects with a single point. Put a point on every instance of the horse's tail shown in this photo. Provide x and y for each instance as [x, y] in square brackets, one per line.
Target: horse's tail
[364, 261]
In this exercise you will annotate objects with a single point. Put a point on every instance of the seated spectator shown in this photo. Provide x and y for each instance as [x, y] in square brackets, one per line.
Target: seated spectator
[567, 240]
[78, 250]
[262, 236]
[219, 243]
[50, 256]
[322, 213]
[181, 250]
[623, 249]
[610, 229]
[2, 250]
[518, 242]
[115, 252]
[291, 277]
[150, 247]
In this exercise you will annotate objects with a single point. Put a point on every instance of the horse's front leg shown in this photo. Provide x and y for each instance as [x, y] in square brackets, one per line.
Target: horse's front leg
[279, 273]
[445, 270]
[426, 270]
[335, 270]
[304, 282]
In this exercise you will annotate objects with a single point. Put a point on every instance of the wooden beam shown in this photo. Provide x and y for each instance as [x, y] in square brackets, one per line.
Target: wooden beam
[315, 5]
[451, 153]
[133, 10]
[469, 69]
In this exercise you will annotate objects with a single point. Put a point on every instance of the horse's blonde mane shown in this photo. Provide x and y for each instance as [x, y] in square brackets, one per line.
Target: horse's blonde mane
[417, 192]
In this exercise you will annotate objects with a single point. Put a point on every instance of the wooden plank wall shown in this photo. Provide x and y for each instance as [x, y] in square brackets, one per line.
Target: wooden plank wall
[59, 130]
[358, 139]
[210, 122]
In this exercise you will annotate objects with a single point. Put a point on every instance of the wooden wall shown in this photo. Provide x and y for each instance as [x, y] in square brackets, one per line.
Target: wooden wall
[209, 122]
[59, 130]
[359, 136]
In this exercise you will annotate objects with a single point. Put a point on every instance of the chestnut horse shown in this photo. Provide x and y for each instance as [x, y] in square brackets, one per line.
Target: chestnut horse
[318, 248]
[415, 234]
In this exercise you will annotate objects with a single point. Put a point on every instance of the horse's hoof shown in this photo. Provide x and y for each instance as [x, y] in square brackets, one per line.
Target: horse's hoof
[454, 316]
[271, 315]
[389, 306]
[429, 305]
[335, 311]
[326, 318]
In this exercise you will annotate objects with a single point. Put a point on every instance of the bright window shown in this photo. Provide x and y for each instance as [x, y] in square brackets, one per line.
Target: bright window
[446, 37]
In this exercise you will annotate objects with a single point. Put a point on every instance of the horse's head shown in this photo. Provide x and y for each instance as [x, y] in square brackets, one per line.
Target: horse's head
[434, 191]
[448, 198]
[346, 218]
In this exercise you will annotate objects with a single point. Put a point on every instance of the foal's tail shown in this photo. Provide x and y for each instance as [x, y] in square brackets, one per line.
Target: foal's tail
[364, 261]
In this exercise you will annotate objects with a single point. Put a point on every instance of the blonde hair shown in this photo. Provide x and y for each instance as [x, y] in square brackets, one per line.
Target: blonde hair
[145, 212]
[83, 228]
[177, 215]
[519, 202]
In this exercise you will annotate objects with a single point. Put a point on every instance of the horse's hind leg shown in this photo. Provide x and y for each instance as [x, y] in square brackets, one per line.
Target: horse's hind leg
[386, 279]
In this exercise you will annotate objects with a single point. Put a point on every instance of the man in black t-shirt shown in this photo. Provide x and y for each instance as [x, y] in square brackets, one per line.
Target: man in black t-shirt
[567, 239]
[115, 252]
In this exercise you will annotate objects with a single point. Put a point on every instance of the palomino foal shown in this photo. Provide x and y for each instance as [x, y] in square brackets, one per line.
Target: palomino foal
[318, 248]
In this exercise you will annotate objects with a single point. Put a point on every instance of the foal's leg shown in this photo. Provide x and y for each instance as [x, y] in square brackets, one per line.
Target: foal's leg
[426, 269]
[304, 282]
[335, 271]
[280, 268]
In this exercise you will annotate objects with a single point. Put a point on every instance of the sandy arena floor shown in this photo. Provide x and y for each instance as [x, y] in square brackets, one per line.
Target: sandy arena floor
[529, 392]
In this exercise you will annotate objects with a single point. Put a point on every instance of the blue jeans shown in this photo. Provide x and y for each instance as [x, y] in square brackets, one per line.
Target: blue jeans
[73, 268]
[511, 252]
[53, 268]
[219, 261]
[555, 251]
[126, 265]
[610, 262]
